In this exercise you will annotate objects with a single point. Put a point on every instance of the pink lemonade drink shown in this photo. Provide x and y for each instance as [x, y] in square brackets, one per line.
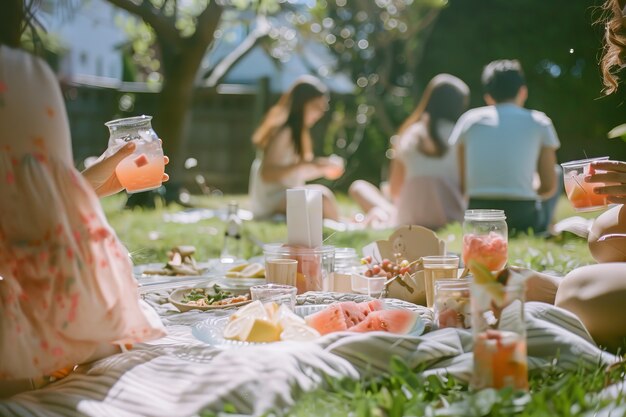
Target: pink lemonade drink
[490, 250]
[579, 192]
[499, 333]
[500, 360]
[143, 170]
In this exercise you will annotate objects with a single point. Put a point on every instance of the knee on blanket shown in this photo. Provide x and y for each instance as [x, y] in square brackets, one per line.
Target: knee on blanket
[596, 294]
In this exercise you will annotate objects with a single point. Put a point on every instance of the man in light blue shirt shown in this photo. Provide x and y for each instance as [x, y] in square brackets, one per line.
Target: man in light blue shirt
[502, 146]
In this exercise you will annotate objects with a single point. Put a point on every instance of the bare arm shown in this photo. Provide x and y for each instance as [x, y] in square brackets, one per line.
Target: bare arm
[397, 171]
[273, 171]
[547, 176]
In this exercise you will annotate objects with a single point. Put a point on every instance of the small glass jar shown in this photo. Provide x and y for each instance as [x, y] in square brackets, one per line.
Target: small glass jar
[499, 330]
[346, 264]
[315, 265]
[142, 170]
[485, 238]
[452, 304]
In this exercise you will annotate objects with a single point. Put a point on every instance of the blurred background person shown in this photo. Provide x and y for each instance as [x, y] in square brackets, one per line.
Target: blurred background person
[424, 187]
[502, 146]
[285, 151]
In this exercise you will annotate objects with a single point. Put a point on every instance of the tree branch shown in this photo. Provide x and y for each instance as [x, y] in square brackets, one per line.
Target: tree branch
[207, 22]
[161, 24]
[217, 74]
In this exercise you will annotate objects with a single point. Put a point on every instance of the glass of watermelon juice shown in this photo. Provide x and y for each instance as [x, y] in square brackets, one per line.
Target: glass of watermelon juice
[499, 330]
[579, 192]
[142, 170]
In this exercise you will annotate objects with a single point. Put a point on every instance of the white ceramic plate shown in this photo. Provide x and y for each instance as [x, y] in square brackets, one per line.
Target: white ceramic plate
[210, 330]
[178, 295]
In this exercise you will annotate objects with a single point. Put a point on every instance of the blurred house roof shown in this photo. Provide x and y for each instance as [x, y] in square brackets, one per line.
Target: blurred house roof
[301, 56]
[92, 37]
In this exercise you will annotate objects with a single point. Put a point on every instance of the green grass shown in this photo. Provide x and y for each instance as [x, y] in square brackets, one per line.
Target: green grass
[148, 236]
[403, 391]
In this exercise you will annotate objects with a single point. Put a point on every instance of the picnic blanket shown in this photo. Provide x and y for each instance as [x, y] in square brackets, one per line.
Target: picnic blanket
[180, 376]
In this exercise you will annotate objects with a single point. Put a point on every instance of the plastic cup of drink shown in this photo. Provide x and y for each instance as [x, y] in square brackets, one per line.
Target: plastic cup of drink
[338, 164]
[142, 170]
[435, 269]
[276, 293]
[580, 193]
[281, 271]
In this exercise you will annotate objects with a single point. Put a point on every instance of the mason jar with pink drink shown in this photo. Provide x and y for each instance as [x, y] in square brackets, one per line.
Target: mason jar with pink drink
[142, 170]
[485, 238]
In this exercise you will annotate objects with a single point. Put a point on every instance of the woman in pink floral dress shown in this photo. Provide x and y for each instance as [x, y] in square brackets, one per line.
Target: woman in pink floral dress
[67, 294]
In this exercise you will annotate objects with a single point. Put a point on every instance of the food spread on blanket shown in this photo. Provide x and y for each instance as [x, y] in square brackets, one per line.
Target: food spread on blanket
[215, 296]
[499, 349]
[400, 271]
[180, 263]
[251, 270]
[269, 322]
[362, 317]
[388, 268]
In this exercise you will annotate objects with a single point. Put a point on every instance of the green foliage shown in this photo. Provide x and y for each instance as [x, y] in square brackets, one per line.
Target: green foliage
[379, 45]
[558, 43]
[149, 237]
[408, 392]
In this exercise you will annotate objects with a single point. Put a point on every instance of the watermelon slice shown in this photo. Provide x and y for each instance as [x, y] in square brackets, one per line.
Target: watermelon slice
[141, 160]
[352, 313]
[337, 317]
[393, 321]
[329, 320]
[367, 307]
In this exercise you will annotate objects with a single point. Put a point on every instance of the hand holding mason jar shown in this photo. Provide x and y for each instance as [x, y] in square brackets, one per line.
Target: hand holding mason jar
[144, 168]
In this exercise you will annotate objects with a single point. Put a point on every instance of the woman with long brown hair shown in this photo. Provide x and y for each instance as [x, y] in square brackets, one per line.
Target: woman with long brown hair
[286, 158]
[424, 179]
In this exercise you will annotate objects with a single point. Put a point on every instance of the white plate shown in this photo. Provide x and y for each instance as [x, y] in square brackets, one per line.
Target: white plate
[138, 270]
[178, 296]
[210, 330]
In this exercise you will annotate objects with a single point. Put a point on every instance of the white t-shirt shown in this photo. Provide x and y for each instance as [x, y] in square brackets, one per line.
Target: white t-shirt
[502, 146]
[418, 164]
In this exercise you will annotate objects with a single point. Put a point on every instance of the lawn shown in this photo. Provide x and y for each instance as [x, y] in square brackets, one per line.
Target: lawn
[148, 235]
[403, 392]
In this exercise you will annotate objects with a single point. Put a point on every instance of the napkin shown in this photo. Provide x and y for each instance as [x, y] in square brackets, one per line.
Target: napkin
[304, 218]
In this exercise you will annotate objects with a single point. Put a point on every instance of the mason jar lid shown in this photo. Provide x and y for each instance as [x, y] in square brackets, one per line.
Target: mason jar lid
[485, 214]
[129, 122]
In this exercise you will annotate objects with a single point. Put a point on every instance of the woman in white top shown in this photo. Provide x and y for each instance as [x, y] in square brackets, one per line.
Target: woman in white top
[424, 183]
[285, 148]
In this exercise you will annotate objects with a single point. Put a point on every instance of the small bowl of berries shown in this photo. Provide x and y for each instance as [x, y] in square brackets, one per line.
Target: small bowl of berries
[378, 273]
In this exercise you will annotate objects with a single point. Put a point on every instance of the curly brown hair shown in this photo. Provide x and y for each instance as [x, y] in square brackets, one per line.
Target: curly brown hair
[614, 55]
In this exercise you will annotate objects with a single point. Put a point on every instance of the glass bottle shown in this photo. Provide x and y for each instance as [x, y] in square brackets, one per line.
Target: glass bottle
[485, 238]
[143, 169]
[232, 235]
